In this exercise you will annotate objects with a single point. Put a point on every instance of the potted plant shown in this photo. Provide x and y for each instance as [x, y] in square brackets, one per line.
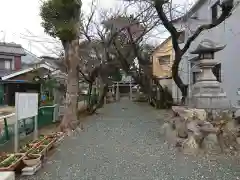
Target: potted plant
[11, 163]
[32, 159]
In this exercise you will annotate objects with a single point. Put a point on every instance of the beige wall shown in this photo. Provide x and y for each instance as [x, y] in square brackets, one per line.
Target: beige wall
[167, 83]
[163, 50]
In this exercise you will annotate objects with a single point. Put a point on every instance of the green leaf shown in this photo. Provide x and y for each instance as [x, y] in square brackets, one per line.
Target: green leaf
[60, 17]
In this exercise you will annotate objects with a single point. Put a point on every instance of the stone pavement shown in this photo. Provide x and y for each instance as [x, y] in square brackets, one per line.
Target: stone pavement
[123, 142]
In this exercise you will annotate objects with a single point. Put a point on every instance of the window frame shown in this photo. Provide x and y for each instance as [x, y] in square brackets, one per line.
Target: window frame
[214, 10]
[4, 61]
[162, 62]
[217, 71]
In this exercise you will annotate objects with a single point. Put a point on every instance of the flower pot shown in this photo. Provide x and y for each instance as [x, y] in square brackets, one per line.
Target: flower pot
[32, 159]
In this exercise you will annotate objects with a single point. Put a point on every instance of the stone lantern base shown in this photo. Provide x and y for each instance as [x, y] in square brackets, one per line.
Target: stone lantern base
[210, 101]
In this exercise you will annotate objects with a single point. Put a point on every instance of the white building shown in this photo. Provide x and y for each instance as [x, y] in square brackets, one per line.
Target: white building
[227, 33]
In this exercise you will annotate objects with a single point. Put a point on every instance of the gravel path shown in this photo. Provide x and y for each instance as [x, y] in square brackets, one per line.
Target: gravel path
[123, 142]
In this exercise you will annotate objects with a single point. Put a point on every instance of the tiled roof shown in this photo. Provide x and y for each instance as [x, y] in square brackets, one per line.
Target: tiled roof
[4, 72]
[11, 48]
[25, 70]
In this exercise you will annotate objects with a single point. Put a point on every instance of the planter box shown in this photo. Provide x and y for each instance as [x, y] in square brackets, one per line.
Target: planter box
[23, 151]
[13, 166]
[59, 141]
[4, 157]
[37, 142]
[50, 144]
[43, 152]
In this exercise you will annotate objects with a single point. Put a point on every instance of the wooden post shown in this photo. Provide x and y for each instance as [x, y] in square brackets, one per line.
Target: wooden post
[131, 90]
[114, 91]
[105, 100]
[35, 127]
[158, 97]
[117, 92]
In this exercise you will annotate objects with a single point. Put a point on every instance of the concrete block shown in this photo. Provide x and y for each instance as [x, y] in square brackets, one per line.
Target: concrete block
[8, 175]
[28, 171]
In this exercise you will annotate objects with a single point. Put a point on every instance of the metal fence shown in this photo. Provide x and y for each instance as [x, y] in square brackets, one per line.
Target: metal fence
[46, 116]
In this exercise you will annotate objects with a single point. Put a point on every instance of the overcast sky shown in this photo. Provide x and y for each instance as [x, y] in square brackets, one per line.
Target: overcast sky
[20, 23]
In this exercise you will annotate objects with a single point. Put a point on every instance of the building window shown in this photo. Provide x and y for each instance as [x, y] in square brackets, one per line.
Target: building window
[163, 60]
[194, 77]
[6, 64]
[217, 72]
[215, 11]
[2, 64]
[238, 102]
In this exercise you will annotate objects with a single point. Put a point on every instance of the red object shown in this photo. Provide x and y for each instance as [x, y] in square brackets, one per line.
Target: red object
[17, 63]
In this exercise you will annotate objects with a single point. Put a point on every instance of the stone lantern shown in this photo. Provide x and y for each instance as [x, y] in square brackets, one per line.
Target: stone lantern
[207, 91]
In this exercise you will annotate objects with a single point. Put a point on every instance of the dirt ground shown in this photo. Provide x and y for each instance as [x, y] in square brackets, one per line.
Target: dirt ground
[123, 141]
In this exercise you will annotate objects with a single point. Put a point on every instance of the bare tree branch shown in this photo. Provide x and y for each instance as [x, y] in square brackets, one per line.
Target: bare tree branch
[226, 12]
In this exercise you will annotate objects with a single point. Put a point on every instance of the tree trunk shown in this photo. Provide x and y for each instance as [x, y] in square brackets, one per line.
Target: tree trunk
[183, 87]
[90, 105]
[70, 114]
[161, 99]
[101, 99]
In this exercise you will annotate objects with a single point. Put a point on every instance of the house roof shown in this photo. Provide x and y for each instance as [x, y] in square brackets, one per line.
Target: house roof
[4, 72]
[193, 10]
[162, 44]
[11, 48]
[23, 71]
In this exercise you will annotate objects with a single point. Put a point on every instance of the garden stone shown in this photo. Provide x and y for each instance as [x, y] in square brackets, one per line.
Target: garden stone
[210, 141]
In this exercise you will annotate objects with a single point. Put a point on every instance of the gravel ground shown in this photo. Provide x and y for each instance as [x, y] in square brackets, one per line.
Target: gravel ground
[123, 142]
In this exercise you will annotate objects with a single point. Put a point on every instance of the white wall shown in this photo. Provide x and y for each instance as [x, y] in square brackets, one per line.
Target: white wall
[227, 33]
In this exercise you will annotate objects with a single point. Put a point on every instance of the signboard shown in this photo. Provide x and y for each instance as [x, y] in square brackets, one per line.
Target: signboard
[26, 105]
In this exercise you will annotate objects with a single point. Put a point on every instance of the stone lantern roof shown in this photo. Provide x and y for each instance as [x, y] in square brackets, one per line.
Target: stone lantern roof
[207, 46]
